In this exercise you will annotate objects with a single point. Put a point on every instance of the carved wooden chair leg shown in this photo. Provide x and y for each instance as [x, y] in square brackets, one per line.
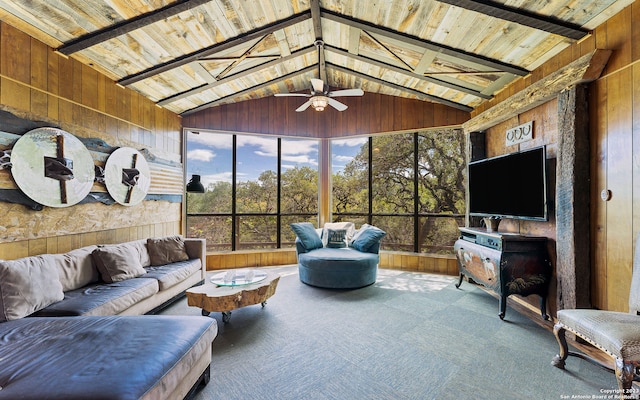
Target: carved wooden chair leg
[559, 360]
[624, 376]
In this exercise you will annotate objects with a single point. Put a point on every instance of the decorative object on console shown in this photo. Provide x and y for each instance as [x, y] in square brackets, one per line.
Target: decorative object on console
[505, 263]
[127, 176]
[52, 167]
[491, 223]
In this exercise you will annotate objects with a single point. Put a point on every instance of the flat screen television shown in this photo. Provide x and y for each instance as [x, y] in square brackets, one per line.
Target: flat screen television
[510, 186]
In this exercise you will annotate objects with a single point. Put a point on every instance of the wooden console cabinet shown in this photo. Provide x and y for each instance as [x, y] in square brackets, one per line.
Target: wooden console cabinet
[505, 263]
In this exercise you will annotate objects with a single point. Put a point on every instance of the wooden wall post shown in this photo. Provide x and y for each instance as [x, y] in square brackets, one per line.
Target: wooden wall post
[573, 266]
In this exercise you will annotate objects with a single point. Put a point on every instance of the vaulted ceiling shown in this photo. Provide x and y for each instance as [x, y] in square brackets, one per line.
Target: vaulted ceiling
[187, 55]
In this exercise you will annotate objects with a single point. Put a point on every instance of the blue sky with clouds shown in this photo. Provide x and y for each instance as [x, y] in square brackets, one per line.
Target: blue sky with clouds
[209, 155]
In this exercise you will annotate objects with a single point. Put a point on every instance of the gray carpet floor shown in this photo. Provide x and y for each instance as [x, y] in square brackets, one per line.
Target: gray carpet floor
[408, 336]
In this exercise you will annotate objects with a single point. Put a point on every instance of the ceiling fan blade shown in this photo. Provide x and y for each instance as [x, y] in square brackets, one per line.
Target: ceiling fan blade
[318, 85]
[346, 92]
[337, 105]
[304, 106]
[291, 95]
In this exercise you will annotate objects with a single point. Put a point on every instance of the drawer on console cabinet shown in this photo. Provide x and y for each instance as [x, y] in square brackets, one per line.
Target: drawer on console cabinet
[482, 264]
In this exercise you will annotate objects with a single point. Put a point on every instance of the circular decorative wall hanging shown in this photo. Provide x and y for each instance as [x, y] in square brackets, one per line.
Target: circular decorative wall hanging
[126, 174]
[52, 167]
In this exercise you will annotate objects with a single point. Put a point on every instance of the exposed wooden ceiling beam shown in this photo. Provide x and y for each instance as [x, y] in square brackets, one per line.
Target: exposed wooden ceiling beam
[354, 40]
[283, 45]
[249, 71]
[417, 93]
[207, 51]
[314, 7]
[202, 72]
[238, 60]
[317, 30]
[585, 69]
[522, 17]
[250, 90]
[425, 62]
[409, 73]
[121, 28]
[413, 40]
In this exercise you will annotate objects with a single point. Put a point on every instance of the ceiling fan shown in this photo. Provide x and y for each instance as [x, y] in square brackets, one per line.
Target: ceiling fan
[320, 95]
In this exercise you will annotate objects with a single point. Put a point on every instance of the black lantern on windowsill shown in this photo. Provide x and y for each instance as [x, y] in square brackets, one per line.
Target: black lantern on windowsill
[194, 185]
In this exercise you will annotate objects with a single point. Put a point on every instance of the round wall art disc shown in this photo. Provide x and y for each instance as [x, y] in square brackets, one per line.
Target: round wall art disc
[52, 167]
[126, 174]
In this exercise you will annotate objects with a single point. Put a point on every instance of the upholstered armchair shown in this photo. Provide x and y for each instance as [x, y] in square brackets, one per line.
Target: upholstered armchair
[615, 333]
[337, 256]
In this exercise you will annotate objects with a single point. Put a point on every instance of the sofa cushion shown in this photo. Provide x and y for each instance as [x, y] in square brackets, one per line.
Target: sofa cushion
[166, 250]
[140, 246]
[117, 263]
[336, 238]
[367, 237]
[102, 298]
[307, 235]
[174, 273]
[76, 268]
[350, 228]
[27, 285]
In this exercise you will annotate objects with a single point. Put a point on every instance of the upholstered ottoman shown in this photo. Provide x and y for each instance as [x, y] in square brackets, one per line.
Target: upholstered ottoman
[344, 268]
[105, 357]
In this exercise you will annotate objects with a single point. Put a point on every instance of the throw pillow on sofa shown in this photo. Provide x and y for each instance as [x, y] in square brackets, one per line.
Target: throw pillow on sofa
[366, 237]
[166, 250]
[350, 227]
[76, 268]
[117, 263]
[27, 285]
[336, 238]
[306, 232]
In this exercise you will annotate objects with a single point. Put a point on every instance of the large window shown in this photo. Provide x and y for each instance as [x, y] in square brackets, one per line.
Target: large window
[254, 187]
[410, 184]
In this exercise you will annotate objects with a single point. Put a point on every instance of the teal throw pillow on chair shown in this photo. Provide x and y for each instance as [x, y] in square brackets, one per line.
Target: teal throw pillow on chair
[307, 234]
[366, 237]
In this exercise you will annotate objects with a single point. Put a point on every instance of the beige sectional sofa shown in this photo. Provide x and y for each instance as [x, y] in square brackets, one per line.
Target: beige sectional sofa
[130, 278]
[71, 327]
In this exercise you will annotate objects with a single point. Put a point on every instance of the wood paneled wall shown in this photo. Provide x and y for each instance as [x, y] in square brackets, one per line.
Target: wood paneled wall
[615, 150]
[371, 113]
[38, 84]
[402, 261]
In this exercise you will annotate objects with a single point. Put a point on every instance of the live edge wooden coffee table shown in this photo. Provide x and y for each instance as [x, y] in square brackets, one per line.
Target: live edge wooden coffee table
[230, 290]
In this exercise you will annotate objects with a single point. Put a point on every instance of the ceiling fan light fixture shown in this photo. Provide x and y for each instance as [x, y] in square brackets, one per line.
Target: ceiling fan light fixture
[319, 102]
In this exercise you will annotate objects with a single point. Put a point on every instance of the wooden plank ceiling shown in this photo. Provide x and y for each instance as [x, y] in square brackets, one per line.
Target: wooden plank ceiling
[187, 55]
